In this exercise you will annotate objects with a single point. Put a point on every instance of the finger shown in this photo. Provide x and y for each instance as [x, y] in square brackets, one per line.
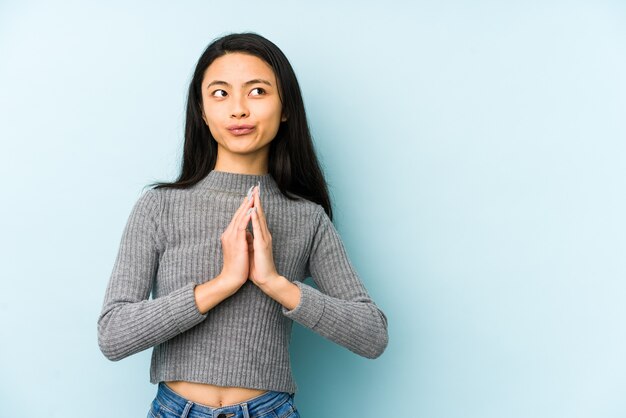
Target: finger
[235, 217]
[245, 205]
[256, 226]
[243, 223]
[260, 212]
[249, 193]
[245, 212]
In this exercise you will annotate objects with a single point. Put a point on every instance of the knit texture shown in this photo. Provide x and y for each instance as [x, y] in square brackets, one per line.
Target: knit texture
[171, 243]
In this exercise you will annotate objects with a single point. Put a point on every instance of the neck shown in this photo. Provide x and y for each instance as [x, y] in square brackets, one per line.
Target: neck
[242, 164]
[238, 183]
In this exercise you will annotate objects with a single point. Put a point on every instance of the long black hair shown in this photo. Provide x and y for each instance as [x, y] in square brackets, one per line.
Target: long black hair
[292, 160]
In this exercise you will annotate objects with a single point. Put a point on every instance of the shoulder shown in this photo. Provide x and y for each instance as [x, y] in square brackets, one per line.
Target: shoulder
[149, 200]
[163, 196]
[146, 208]
[304, 207]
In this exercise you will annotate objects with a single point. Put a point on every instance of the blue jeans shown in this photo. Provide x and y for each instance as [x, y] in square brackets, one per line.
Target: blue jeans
[169, 404]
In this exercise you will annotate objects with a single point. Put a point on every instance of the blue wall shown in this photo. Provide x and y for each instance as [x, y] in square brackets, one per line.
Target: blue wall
[475, 151]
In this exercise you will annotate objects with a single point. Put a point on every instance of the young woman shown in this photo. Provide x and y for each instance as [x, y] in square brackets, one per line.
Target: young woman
[225, 248]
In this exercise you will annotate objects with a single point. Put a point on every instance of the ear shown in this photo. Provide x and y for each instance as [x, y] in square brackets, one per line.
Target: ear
[283, 118]
[204, 117]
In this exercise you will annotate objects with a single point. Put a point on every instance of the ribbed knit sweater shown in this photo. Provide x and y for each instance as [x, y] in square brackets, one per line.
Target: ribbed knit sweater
[171, 243]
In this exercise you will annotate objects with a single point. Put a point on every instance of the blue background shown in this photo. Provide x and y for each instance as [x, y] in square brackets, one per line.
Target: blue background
[475, 152]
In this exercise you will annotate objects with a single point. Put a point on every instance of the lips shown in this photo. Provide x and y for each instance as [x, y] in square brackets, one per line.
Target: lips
[239, 130]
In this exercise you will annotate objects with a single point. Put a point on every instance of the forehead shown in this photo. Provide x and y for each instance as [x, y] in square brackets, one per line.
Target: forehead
[236, 67]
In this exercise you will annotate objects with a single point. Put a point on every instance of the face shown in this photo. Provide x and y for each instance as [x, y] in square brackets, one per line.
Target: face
[241, 105]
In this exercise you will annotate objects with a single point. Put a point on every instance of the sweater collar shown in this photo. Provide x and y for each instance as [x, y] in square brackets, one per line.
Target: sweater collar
[237, 182]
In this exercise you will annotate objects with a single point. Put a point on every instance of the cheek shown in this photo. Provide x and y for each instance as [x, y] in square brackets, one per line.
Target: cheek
[270, 114]
[209, 117]
[212, 124]
[206, 113]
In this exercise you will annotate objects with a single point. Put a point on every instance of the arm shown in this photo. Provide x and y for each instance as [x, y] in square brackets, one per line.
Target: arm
[129, 322]
[341, 310]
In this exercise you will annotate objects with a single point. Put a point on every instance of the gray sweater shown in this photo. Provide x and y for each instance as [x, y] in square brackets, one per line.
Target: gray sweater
[171, 243]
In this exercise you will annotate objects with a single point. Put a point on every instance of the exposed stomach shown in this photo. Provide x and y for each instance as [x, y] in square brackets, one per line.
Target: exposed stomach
[211, 395]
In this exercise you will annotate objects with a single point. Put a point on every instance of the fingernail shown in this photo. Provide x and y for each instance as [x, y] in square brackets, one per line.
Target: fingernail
[249, 196]
[259, 188]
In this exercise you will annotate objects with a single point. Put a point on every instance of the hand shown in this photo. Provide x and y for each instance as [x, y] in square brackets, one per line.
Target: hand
[235, 270]
[262, 268]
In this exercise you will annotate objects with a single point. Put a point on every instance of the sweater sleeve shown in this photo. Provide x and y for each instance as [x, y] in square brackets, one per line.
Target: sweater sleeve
[129, 322]
[341, 310]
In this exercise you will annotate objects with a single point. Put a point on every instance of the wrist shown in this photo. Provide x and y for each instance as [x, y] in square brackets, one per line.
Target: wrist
[212, 292]
[282, 291]
[270, 285]
[225, 284]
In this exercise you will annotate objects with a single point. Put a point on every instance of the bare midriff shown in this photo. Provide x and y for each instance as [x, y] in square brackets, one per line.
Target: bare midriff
[211, 395]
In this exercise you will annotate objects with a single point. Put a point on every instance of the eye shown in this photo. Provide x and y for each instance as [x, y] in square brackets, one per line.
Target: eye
[257, 91]
[219, 93]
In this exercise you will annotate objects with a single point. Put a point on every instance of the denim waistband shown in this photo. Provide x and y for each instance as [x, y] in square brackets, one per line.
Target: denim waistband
[189, 409]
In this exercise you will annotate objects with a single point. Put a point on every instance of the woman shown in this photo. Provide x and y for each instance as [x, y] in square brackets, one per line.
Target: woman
[225, 248]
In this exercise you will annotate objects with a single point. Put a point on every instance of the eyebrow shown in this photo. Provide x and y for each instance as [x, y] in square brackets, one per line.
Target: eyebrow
[247, 83]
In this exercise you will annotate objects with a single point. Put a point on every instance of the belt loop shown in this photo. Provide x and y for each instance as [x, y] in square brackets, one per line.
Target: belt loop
[186, 410]
[244, 408]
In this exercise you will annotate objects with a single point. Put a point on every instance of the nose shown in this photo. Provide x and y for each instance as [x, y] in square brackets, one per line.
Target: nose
[239, 109]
